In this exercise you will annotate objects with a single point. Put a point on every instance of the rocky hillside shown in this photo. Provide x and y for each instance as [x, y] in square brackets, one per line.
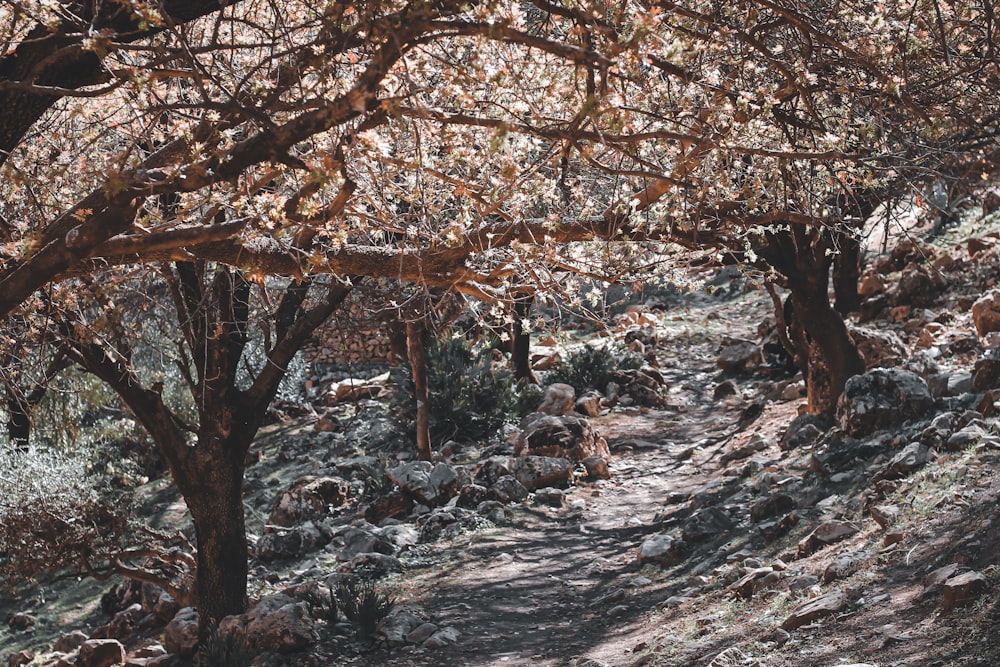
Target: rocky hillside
[685, 514]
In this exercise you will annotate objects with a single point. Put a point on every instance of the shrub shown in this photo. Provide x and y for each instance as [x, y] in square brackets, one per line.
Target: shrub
[231, 651]
[469, 399]
[592, 367]
[363, 605]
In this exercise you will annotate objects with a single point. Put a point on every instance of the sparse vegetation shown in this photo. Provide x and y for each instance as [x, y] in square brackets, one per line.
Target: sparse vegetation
[593, 367]
[363, 604]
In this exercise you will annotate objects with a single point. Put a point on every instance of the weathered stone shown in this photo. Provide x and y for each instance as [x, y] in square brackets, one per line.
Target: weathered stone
[917, 287]
[421, 633]
[20, 658]
[508, 489]
[285, 543]
[471, 495]
[308, 498]
[986, 374]
[372, 565]
[359, 540]
[964, 438]
[662, 549]
[70, 641]
[912, 457]
[773, 505]
[884, 515]
[814, 609]
[100, 653]
[871, 283]
[443, 637]
[826, 533]
[536, 472]
[559, 400]
[986, 313]
[589, 404]
[569, 436]
[493, 468]
[805, 429]
[551, 497]
[20, 621]
[597, 467]
[882, 398]
[400, 622]
[755, 580]
[756, 445]
[706, 523]
[180, 637]
[276, 623]
[725, 389]
[739, 356]
[844, 565]
[963, 589]
[878, 347]
[429, 483]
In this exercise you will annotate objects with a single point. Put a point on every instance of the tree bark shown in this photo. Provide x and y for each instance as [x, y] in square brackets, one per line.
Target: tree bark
[415, 331]
[521, 341]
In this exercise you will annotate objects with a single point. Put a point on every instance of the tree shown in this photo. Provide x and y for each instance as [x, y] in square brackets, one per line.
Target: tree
[215, 311]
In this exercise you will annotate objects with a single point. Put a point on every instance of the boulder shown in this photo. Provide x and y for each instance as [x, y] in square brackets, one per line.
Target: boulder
[589, 404]
[429, 483]
[986, 313]
[180, 637]
[276, 623]
[706, 523]
[912, 457]
[917, 287]
[284, 543]
[356, 540]
[309, 498]
[507, 489]
[536, 472]
[739, 356]
[805, 429]
[597, 467]
[826, 533]
[963, 589]
[882, 398]
[986, 373]
[100, 653]
[662, 549]
[70, 641]
[814, 609]
[567, 436]
[878, 347]
[559, 400]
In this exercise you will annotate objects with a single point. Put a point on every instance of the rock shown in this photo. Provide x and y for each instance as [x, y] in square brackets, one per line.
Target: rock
[20, 658]
[878, 348]
[986, 374]
[100, 653]
[933, 581]
[964, 438]
[429, 483]
[991, 201]
[597, 467]
[559, 400]
[773, 505]
[725, 389]
[739, 356]
[508, 489]
[705, 524]
[814, 609]
[421, 633]
[733, 657]
[986, 313]
[442, 637]
[871, 283]
[492, 511]
[357, 540]
[662, 549]
[756, 445]
[912, 457]
[569, 436]
[805, 429]
[963, 589]
[844, 565]
[589, 404]
[276, 623]
[70, 641]
[372, 565]
[884, 515]
[917, 287]
[20, 621]
[756, 579]
[826, 533]
[882, 398]
[536, 472]
[492, 469]
[471, 495]
[180, 637]
[399, 623]
[309, 498]
[551, 497]
[282, 544]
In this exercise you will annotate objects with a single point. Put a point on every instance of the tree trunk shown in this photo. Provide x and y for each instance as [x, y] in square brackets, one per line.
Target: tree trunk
[846, 274]
[217, 510]
[521, 341]
[418, 364]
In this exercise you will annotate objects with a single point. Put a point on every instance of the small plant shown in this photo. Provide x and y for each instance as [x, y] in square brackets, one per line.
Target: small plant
[592, 367]
[233, 650]
[363, 605]
[469, 399]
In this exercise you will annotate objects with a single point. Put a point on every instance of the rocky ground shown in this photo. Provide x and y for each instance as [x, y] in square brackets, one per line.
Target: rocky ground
[689, 518]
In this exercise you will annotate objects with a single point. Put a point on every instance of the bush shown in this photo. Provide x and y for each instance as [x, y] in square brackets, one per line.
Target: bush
[591, 367]
[51, 512]
[231, 651]
[469, 399]
[363, 605]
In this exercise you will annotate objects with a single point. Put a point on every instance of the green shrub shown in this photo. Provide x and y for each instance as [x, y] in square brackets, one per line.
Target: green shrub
[363, 605]
[592, 367]
[469, 399]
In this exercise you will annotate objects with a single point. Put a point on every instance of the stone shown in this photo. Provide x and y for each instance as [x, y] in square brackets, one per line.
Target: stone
[986, 313]
[309, 498]
[399, 623]
[706, 523]
[559, 400]
[443, 637]
[725, 389]
[991, 201]
[276, 623]
[733, 657]
[964, 438]
[421, 633]
[739, 356]
[279, 545]
[878, 347]
[507, 489]
[427, 482]
[100, 653]
[492, 469]
[986, 373]
[963, 589]
[871, 283]
[568, 436]
[70, 641]
[912, 457]
[551, 497]
[756, 445]
[357, 540]
[882, 398]
[589, 404]
[755, 580]
[844, 565]
[917, 287]
[662, 549]
[826, 533]
[471, 495]
[536, 472]
[20, 621]
[884, 515]
[805, 429]
[20, 658]
[814, 609]
[773, 505]
[180, 637]
[597, 467]
[372, 565]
